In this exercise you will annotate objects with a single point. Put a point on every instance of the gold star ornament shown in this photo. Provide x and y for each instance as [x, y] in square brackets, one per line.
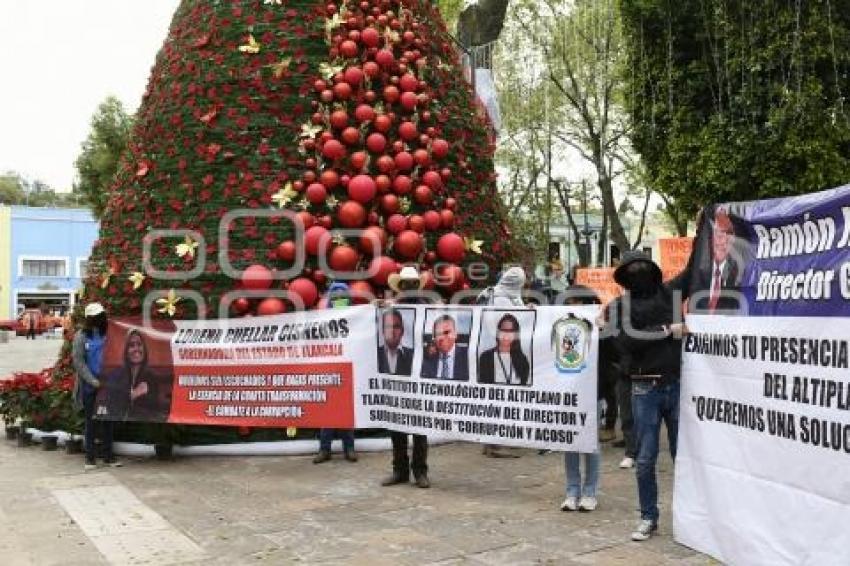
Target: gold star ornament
[137, 279]
[168, 303]
[473, 245]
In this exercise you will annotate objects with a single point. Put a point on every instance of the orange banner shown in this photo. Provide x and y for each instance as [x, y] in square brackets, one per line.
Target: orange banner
[601, 280]
[674, 254]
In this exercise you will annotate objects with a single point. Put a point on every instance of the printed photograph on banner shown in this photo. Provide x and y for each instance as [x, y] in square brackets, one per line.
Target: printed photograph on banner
[395, 340]
[505, 347]
[445, 336]
[720, 263]
[138, 374]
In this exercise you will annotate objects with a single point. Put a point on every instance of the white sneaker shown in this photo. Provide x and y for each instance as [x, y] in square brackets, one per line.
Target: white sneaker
[627, 463]
[644, 530]
[587, 504]
[89, 467]
[569, 504]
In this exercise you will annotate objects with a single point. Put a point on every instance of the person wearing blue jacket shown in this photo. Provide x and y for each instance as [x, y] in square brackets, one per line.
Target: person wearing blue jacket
[338, 296]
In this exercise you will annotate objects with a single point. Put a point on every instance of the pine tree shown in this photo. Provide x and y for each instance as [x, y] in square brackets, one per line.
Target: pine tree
[354, 115]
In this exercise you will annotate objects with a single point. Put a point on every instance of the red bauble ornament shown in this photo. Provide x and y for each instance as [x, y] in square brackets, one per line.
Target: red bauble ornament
[317, 193]
[257, 277]
[313, 237]
[423, 195]
[447, 218]
[408, 244]
[348, 48]
[450, 277]
[373, 240]
[385, 58]
[416, 223]
[350, 136]
[432, 179]
[450, 247]
[364, 113]
[450, 203]
[342, 91]
[371, 69]
[404, 161]
[389, 203]
[305, 218]
[391, 94]
[329, 178]
[396, 224]
[408, 131]
[383, 182]
[385, 164]
[332, 149]
[402, 184]
[381, 267]
[358, 160]
[339, 119]
[319, 277]
[421, 157]
[370, 37]
[376, 142]
[354, 76]
[343, 258]
[383, 123]
[361, 292]
[430, 257]
[439, 148]
[351, 214]
[408, 83]
[306, 290]
[362, 188]
[409, 101]
[286, 251]
[432, 220]
[240, 305]
[271, 306]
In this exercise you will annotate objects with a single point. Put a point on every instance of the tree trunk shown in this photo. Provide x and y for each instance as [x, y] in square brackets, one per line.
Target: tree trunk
[564, 197]
[609, 206]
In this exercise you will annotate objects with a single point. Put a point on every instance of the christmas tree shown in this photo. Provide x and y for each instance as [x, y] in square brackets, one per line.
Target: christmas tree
[354, 115]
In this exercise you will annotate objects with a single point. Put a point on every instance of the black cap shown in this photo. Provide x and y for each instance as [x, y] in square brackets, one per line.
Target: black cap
[629, 258]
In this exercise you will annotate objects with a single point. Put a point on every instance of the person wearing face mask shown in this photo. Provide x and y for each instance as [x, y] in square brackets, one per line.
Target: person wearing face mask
[647, 336]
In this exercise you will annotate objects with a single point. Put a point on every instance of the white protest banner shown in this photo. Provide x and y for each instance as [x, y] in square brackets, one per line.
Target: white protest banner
[521, 377]
[763, 467]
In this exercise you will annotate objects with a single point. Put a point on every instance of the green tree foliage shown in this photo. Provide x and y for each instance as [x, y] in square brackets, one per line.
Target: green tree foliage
[17, 190]
[98, 162]
[738, 100]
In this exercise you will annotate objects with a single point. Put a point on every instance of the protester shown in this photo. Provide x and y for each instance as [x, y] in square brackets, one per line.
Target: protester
[649, 346]
[337, 297]
[87, 356]
[506, 293]
[407, 287]
[582, 496]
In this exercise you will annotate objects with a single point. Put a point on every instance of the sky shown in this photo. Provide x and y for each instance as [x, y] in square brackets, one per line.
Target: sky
[58, 60]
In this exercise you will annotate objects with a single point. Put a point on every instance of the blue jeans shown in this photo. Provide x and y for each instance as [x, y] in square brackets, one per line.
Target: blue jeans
[591, 474]
[650, 404]
[91, 430]
[326, 436]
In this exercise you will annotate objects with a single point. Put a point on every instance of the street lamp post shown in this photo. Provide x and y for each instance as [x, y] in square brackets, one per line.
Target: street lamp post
[586, 232]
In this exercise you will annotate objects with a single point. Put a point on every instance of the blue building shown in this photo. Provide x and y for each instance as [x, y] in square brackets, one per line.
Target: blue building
[49, 254]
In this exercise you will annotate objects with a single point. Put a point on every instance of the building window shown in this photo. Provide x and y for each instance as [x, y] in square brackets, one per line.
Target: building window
[44, 268]
[82, 268]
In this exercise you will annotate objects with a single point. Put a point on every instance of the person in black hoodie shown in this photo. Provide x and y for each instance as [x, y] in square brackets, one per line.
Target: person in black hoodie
[647, 336]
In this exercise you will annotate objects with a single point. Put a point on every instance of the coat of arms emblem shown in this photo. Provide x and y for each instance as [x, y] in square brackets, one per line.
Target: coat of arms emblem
[571, 343]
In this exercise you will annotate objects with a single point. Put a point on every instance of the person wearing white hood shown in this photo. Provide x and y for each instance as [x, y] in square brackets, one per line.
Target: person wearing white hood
[506, 293]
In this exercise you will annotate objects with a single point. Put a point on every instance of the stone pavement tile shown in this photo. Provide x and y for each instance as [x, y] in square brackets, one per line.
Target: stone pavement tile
[635, 554]
[522, 554]
[158, 548]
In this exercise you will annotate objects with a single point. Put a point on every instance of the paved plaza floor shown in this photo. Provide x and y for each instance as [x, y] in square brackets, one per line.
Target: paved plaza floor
[286, 510]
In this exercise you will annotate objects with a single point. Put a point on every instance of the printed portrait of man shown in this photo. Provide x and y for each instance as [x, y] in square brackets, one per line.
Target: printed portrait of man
[444, 358]
[393, 357]
[722, 279]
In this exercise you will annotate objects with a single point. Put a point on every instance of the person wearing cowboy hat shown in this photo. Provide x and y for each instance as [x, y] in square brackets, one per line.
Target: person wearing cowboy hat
[407, 285]
[87, 358]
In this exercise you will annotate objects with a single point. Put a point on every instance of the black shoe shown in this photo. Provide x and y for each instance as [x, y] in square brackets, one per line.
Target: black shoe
[619, 444]
[421, 481]
[395, 478]
[322, 456]
[350, 456]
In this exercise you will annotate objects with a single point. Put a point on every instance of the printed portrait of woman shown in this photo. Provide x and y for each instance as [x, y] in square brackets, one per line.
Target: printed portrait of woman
[507, 363]
[135, 390]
